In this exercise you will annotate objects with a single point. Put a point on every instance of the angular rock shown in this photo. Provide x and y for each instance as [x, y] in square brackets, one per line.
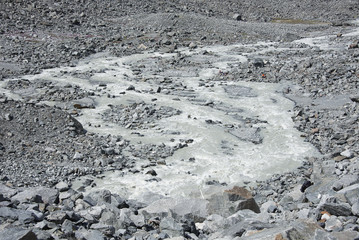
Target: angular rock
[6, 191]
[17, 234]
[57, 217]
[337, 209]
[334, 224]
[250, 204]
[62, 186]
[68, 227]
[351, 193]
[171, 227]
[355, 208]
[89, 235]
[269, 207]
[105, 229]
[98, 197]
[9, 213]
[195, 208]
[45, 195]
[238, 193]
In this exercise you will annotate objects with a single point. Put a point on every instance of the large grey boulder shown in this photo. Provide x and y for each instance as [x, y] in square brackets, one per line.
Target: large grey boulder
[23, 216]
[346, 181]
[6, 191]
[301, 229]
[231, 201]
[37, 194]
[98, 197]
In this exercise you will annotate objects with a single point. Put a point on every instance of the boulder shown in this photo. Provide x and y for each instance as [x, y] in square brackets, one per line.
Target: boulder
[171, 227]
[41, 194]
[105, 229]
[337, 209]
[62, 186]
[346, 181]
[355, 208]
[57, 216]
[334, 224]
[17, 234]
[177, 208]
[98, 198]
[250, 204]
[89, 234]
[301, 229]
[351, 193]
[6, 191]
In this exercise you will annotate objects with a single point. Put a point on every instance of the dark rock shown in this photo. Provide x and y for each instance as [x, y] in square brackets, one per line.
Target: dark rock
[305, 185]
[237, 17]
[250, 204]
[131, 88]
[152, 172]
[258, 63]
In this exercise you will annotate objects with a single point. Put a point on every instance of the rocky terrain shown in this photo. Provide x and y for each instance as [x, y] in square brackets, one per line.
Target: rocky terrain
[43, 147]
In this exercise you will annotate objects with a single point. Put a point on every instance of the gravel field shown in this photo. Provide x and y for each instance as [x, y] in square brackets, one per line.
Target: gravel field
[43, 147]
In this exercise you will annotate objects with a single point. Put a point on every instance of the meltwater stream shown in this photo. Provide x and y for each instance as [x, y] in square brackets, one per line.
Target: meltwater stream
[236, 131]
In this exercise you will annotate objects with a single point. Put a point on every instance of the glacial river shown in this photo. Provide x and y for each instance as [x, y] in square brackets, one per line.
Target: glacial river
[239, 131]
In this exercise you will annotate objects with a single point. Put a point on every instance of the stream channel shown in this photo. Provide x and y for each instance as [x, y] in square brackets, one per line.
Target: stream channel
[231, 132]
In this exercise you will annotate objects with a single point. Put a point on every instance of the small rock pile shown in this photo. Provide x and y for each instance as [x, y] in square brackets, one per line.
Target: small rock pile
[138, 115]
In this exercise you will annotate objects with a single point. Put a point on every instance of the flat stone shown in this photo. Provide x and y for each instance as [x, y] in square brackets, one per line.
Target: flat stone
[6, 191]
[333, 224]
[47, 195]
[196, 208]
[89, 234]
[355, 208]
[351, 193]
[78, 156]
[9, 213]
[303, 213]
[62, 186]
[337, 209]
[57, 216]
[171, 227]
[105, 229]
[98, 197]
